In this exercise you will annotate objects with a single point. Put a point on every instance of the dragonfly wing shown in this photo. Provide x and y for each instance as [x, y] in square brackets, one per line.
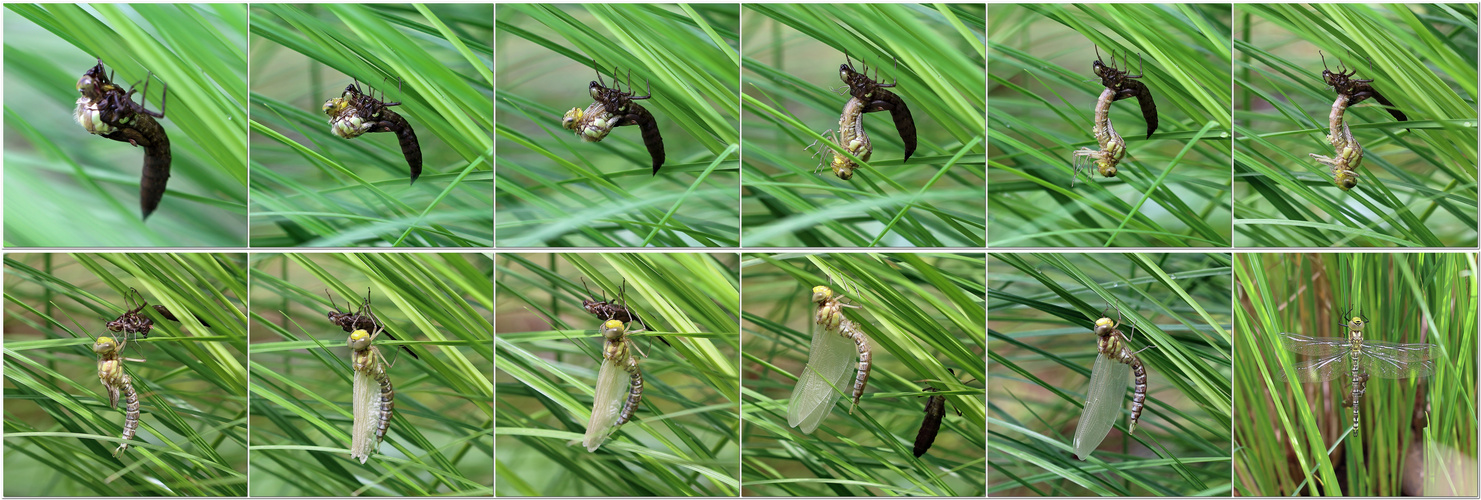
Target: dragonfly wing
[1108, 381]
[1315, 346]
[1324, 368]
[611, 392]
[1391, 360]
[366, 398]
[822, 380]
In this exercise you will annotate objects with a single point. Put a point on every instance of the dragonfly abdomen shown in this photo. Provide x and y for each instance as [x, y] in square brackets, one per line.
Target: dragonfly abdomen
[634, 391]
[1112, 146]
[848, 329]
[1139, 396]
[388, 402]
[131, 414]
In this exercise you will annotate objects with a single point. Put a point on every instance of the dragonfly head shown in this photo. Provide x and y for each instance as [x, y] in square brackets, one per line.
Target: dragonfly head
[1346, 179]
[1104, 326]
[613, 329]
[105, 345]
[821, 293]
[571, 118]
[1357, 323]
[359, 340]
[333, 106]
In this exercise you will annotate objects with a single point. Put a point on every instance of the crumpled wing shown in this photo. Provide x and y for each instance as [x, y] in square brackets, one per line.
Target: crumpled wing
[362, 434]
[606, 405]
[1108, 381]
[823, 380]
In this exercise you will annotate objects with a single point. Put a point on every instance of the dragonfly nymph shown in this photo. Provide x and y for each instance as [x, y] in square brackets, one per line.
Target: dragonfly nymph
[106, 109]
[835, 338]
[850, 136]
[616, 397]
[131, 322]
[356, 112]
[1108, 379]
[875, 96]
[374, 398]
[111, 373]
[1332, 357]
[1119, 84]
[613, 107]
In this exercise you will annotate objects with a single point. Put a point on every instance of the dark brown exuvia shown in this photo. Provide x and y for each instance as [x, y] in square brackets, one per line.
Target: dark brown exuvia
[620, 104]
[876, 97]
[108, 110]
[1126, 85]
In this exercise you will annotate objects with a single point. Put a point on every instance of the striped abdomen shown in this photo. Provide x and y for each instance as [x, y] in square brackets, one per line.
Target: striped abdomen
[1113, 346]
[131, 414]
[851, 331]
[388, 402]
[1359, 382]
[634, 392]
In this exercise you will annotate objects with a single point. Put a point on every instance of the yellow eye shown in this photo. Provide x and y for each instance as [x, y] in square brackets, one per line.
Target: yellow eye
[1104, 322]
[611, 324]
[359, 335]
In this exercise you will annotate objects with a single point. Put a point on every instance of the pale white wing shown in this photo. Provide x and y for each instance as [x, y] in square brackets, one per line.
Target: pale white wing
[362, 435]
[611, 392]
[1108, 381]
[822, 380]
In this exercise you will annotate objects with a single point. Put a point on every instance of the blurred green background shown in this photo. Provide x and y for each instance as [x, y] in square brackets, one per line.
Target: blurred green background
[67, 188]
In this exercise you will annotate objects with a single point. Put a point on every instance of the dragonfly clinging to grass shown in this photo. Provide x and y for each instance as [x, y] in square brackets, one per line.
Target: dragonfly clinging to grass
[1332, 357]
[117, 381]
[616, 397]
[374, 398]
[1108, 380]
[835, 339]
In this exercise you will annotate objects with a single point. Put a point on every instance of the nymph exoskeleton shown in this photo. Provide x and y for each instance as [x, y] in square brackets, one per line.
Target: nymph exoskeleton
[106, 109]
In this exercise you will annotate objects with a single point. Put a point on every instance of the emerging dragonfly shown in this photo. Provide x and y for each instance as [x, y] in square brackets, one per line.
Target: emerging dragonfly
[1335, 356]
[875, 96]
[613, 107]
[361, 319]
[609, 408]
[111, 373]
[106, 109]
[356, 112]
[1107, 386]
[850, 136]
[828, 363]
[373, 404]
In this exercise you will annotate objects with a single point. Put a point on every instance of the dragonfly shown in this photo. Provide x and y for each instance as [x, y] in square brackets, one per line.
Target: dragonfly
[1352, 355]
[117, 381]
[828, 362]
[612, 108]
[1119, 84]
[374, 398]
[616, 397]
[1108, 380]
[1348, 153]
[106, 109]
[850, 136]
[356, 112]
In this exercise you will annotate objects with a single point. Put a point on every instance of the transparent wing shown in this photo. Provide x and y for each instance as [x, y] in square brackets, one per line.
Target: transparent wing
[822, 380]
[1315, 346]
[611, 391]
[1391, 360]
[362, 434]
[1325, 368]
[1108, 381]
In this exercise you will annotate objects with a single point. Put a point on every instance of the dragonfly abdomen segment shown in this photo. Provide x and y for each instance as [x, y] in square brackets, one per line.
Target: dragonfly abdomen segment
[848, 329]
[634, 391]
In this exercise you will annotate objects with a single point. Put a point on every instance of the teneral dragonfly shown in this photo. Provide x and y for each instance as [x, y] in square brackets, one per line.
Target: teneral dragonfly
[835, 340]
[1335, 356]
[616, 397]
[1108, 380]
